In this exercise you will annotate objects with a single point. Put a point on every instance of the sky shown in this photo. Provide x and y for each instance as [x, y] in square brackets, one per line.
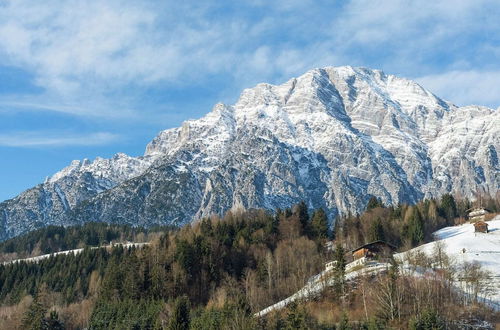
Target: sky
[87, 78]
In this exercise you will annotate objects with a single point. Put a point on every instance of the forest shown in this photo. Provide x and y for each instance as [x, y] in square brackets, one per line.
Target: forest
[218, 272]
[52, 239]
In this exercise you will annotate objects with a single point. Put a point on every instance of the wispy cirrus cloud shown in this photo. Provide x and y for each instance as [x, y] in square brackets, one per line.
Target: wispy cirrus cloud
[101, 57]
[465, 87]
[90, 108]
[52, 139]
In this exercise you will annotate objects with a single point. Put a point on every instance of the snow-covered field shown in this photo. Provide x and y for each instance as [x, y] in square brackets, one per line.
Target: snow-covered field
[481, 247]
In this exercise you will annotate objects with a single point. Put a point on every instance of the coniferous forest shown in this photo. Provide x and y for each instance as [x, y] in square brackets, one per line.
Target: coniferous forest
[218, 272]
[53, 239]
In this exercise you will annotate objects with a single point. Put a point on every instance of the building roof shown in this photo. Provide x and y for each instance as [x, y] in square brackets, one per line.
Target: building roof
[373, 243]
[475, 209]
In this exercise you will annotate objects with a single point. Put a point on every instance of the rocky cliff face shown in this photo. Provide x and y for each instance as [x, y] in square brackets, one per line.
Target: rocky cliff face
[333, 137]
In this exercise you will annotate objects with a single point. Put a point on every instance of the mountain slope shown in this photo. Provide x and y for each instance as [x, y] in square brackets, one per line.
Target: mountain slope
[332, 137]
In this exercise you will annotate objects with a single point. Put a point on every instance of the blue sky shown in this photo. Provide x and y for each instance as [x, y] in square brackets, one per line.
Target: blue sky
[87, 78]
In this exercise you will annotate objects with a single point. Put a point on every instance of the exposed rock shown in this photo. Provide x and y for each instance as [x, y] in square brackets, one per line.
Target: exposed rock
[333, 137]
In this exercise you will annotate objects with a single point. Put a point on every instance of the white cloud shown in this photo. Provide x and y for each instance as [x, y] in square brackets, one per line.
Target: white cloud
[64, 41]
[73, 44]
[80, 52]
[375, 21]
[465, 87]
[43, 139]
[93, 107]
[87, 53]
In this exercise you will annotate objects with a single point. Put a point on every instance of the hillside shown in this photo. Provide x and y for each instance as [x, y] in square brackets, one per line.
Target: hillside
[219, 273]
[483, 248]
[54, 239]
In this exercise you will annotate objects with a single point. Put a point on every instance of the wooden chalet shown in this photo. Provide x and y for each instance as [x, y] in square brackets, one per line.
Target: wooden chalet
[477, 214]
[480, 227]
[373, 250]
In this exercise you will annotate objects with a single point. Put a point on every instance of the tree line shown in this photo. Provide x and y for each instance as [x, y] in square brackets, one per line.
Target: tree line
[52, 239]
[404, 226]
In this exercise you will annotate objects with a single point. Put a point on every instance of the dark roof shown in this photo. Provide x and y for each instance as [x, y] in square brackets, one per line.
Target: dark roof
[478, 208]
[481, 223]
[372, 243]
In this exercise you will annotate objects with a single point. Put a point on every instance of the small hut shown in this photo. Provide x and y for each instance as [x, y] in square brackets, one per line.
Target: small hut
[373, 250]
[480, 227]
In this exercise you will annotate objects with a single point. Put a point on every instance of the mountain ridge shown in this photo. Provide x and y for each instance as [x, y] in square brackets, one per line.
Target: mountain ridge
[333, 137]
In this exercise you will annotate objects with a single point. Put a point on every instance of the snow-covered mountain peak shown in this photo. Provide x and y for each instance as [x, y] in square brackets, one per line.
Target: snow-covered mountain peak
[117, 169]
[332, 137]
[320, 108]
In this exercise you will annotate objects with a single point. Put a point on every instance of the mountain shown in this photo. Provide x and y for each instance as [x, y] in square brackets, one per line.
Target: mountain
[332, 137]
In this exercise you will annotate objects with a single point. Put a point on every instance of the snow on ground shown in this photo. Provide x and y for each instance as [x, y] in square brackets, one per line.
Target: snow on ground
[320, 282]
[481, 247]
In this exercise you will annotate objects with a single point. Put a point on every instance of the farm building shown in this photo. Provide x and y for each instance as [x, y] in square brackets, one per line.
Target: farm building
[480, 227]
[477, 214]
[373, 250]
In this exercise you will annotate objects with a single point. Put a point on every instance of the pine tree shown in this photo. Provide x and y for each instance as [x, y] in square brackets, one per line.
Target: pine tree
[376, 232]
[319, 224]
[301, 211]
[272, 226]
[339, 270]
[296, 318]
[206, 227]
[416, 232]
[374, 202]
[429, 319]
[180, 316]
[34, 318]
[344, 322]
[448, 207]
[53, 323]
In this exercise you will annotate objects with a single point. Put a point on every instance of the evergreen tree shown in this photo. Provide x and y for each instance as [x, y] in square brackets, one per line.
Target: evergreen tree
[180, 319]
[34, 318]
[319, 224]
[344, 322]
[339, 270]
[206, 227]
[296, 318]
[448, 207]
[376, 232]
[272, 227]
[416, 232]
[374, 323]
[301, 211]
[428, 320]
[53, 323]
[374, 202]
